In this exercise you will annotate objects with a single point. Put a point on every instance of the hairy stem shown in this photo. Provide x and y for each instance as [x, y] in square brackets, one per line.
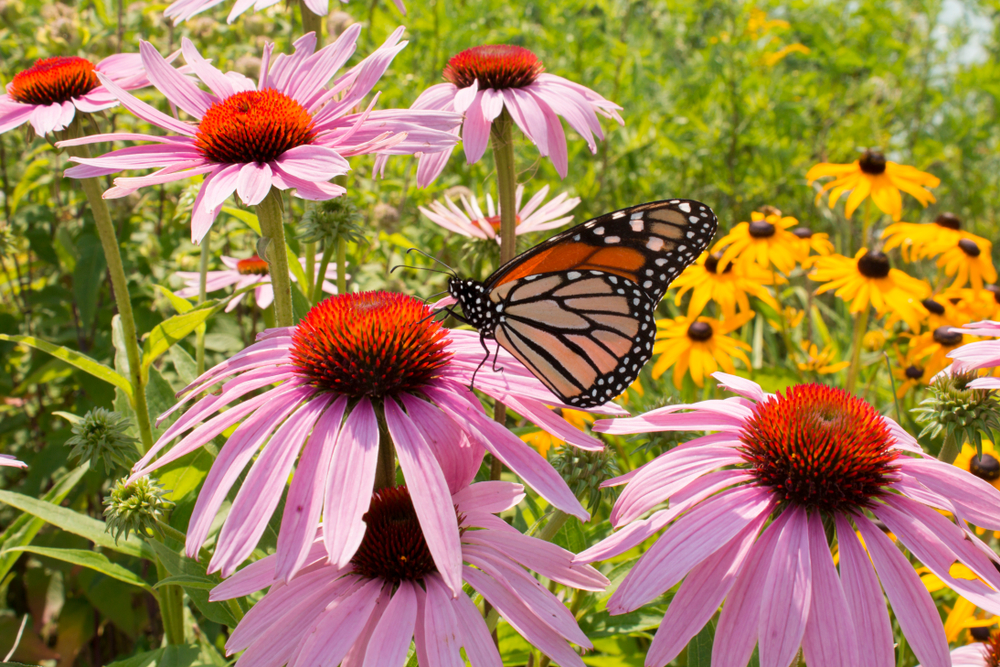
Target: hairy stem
[310, 250]
[312, 23]
[385, 471]
[555, 522]
[949, 448]
[269, 213]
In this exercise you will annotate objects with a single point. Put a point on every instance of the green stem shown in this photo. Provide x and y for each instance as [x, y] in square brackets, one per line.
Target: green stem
[317, 293]
[269, 214]
[310, 250]
[341, 266]
[312, 23]
[199, 349]
[385, 470]
[502, 143]
[949, 449]
[171, 599]
[860, 328]
[556, 522]
[866, 222]
[119, 284]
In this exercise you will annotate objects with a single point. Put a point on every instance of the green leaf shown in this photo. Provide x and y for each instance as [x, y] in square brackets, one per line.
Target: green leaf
[189, 655]
[171, 331]
[88, 276]
[300, 304]
[74, 358]
[295, 266]
[188, 581]
[25, 527]
[160, 397]
[181, 566]
[184, 364]
[180, 304]
[89, 559]
[603, 624]
[76, 523]
[121, 354]
[29, 181]
[699, 649]
[63, 245]
[246, 217]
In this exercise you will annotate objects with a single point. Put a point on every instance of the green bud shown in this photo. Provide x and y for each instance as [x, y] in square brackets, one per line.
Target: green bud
[585, 471]
[954, 409]
[331, 220]
[134, 507]
[100, 437]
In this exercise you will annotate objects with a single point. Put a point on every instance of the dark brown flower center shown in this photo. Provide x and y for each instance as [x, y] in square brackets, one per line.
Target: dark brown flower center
[393, 547]
[872, 162]
[969, 247]
[370, 344]
[980, 634]
[54, 81]
[761, 229]
[252, 266]
[985, 467]
[803, 232]
[945, 336]
[712, 263]
[496, 66]
[874, 264]
[948, 221]
[700, 331]
[933, 306]
[253, 126]
[819, 448]
[914, 372]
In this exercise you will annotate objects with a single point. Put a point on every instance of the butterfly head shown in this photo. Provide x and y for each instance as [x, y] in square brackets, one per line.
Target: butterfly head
[472, 297]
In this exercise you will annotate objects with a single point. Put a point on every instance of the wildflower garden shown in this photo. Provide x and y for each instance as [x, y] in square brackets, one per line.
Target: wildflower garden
[437, 332]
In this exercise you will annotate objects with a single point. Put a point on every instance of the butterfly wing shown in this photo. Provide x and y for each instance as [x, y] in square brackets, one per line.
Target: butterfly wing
[578, 310]
[585, 335]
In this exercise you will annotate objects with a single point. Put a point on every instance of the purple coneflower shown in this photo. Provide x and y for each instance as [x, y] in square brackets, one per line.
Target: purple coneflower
[366, 611]
[979, 654]
[980, 354]
[287, 131]
[10, 462]
[49, 93]
[182, 10]
[532, 217]
[243, 273]
[485, 80]
[355, 365]
[810, 459]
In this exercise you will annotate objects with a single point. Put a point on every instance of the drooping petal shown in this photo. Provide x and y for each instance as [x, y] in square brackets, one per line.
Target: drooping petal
[787, 594]
[392, 636]
[830, 639]
[253, 183]
[337, 627]
[864, 598]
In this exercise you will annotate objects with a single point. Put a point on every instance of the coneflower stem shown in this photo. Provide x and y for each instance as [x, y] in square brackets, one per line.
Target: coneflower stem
[341, 266]
[119, 285]
[555, 522]
[310, 251]
[860, 328]
[269, 214]
[312, 23]
[317, 293]
[199, 346]
[502, 143]
[385, 468]
[171, 599]
[949, 448]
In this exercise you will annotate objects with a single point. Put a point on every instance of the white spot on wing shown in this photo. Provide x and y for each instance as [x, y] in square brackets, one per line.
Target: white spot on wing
[686, 207]
[655, 243]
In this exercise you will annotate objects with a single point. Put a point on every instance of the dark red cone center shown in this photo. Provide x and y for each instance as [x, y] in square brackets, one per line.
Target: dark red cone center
[253, 126]
[54, 81]
[496, 66]
[393, 547]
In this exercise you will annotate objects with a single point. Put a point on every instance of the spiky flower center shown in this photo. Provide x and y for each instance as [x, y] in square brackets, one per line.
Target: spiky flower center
[948, 221]
[819, 448]
[993, 651]
[712, 264]
[933, 306]
[803, 232]
[872, 162]
[700, 331]
[914, 372]
[945, 336]
[496, 66]
[54, 81]
[761, 229]
[874, 264]
[985, 467]
[370, 344]
[253, 126]
[393, 547]
[969, 247]
[252, 266]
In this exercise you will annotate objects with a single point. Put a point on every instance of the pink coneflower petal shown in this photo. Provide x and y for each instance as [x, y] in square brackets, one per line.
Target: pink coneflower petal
[391, 639]
[458, 458]
[972, 497]
[865, 601]
[476, 637]
[177, 87]
[11, 462]
[787, 594]
[338, 626]
[912, 604]
[354, 464]
[830, 639]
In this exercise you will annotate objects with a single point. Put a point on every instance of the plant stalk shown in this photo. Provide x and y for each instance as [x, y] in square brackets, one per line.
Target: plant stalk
[310, 250]
[119, 284]
[385, 470]
[555, 522]
[949, 448]
[312, 23]
[269, 213]
[341, 266]
[171, 599]
[502, 143]
[317, 293]
[860, 328]
[199, 349]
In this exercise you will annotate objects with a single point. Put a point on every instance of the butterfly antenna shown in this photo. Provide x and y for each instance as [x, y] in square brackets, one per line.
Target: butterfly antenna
[432, 258]
[433, 296]
[421, 268]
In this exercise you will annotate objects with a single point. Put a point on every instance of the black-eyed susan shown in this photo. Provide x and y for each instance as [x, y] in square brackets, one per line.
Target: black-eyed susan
[728, 285]
[810, 242]
[543, 441]
[966, 619]
[985, 467]
[764, 241]
[875, 340]
[788, 318]
[820, 362]
[909, 372]
[869, 279]
[931, 348]
[872, 175]
[970, 261]
[914, 239]
[701, 346]
[935, 311]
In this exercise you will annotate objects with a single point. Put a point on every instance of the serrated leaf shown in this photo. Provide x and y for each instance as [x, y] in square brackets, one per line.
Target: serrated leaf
[89, 559]
[77, 359]
[76, 523]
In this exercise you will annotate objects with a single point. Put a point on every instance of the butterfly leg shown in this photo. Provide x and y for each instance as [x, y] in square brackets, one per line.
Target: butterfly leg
[482, 341]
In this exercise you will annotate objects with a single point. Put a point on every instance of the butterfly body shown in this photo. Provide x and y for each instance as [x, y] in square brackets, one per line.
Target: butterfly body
[578, 309]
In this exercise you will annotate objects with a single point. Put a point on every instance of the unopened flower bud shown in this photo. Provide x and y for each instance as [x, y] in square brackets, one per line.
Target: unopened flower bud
[134, 507]
[331, 220]
[585, 471]
[101, 438]
[960, 412]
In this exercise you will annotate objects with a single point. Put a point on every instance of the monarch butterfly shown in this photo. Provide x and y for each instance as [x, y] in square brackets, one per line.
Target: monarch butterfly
[577, 310]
